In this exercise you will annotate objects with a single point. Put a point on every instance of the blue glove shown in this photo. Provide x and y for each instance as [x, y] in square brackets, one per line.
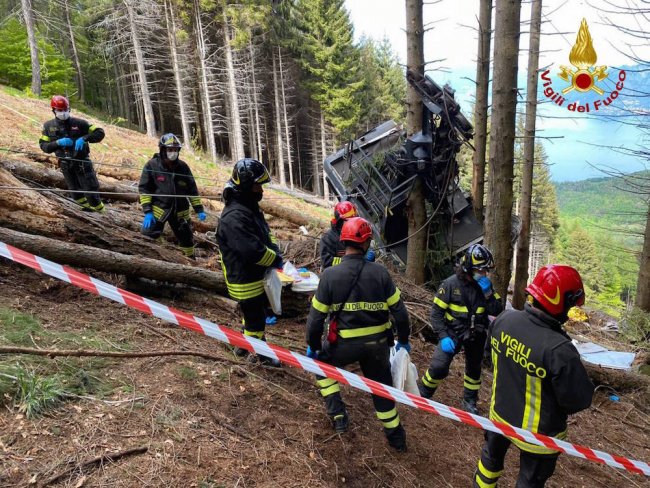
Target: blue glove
[370, 256]
[202, 216]
[149, 220]
[485, 284]
[311, 354]
[79, 144]
[448, 345]
[65, 142]
[399, 345]
[271, 320]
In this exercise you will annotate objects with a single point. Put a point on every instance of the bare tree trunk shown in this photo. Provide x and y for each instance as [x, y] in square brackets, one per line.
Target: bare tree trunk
[75, 54]
[502, 139]
[28, 15]
[523, 243]
[416, 210]
[236, 138]
[256, 107]
[323, 152]
[182, 107]
[315, 165]
[643, 284]
[481, 107]
[286, 121]
[278, 124]
[149, 118]
[205, 90]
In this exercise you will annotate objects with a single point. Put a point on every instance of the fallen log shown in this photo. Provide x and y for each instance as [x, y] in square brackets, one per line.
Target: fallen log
[54, 179]
[112, 262]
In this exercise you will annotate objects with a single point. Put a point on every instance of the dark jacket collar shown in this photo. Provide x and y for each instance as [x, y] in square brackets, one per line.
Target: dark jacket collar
[353, 256]
[541, 318]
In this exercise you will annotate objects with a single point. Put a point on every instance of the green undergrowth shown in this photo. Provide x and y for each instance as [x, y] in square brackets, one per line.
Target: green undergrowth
[34, 384]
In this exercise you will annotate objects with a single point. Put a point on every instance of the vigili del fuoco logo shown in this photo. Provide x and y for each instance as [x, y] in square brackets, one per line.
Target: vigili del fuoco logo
[584, 77]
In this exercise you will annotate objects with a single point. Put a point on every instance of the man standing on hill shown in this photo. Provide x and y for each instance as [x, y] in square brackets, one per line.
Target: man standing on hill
[359, 297]
[460, 318]
[163, 177]
[247, 247]
[538, 380]
[68, 138]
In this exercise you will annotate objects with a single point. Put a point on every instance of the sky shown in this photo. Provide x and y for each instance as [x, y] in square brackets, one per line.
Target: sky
[573, 141]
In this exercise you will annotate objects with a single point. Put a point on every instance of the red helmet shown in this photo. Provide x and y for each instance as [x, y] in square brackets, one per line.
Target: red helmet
[557, 288]
[344, 210]
[356, 229]
[59, 102]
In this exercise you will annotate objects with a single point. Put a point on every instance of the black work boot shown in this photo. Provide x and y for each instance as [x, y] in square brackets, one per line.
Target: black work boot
[266, 361]
[425, 391]
[396, 438]
[470, 398]
[341, 422]
[240, 352]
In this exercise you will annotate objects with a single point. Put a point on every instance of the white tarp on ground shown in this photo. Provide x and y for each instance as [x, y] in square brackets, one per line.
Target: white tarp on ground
[596, 354]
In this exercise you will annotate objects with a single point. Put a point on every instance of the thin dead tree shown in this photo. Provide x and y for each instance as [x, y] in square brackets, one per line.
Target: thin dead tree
[481, 106]
[523, 243]
[28, 16]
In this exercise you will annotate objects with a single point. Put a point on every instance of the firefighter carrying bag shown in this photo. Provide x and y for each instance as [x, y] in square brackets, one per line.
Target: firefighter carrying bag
[332, 330]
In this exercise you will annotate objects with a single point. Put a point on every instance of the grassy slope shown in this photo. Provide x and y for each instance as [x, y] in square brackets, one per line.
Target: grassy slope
[122, 153]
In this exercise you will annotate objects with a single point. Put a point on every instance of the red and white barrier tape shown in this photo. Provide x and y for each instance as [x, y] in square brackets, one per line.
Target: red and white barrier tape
[235, 338]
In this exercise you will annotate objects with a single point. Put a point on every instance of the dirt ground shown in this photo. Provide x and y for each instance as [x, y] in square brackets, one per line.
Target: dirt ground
[233, 423]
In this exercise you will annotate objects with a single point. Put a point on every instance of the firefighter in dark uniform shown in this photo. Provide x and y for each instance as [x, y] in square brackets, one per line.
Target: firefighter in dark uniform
[68, 138]
[538, 377]
[163, 177]
[247, 247]
[360, 295]
[460, 318]
[331, 247]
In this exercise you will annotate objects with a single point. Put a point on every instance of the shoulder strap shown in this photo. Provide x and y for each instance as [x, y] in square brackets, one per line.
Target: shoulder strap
[347, 296]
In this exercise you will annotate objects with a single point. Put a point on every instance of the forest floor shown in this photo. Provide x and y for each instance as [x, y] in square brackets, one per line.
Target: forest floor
[226, 421]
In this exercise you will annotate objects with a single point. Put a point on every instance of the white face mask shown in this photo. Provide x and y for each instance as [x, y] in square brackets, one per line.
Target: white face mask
[62, 114]
[172, 155]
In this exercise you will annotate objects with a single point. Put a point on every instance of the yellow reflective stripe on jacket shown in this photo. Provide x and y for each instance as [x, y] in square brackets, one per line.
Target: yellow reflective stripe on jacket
[497, 296]
[495, 371]
[480, 310]
[273, 239]
[458, 308]
[533, 403]
[321, 307]
[92, 128]
[448, 316]
[145, 199]
[440, 303]
[336, 260]
[242, 291]
[364, 331]
[45, 138]
[361, 306]
[394, 298]
[526, 446]
[195, 201]
[183, 214]
[158, 212]
[268, 257]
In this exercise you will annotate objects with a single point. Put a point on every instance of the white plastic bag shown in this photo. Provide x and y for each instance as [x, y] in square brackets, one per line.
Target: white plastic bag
[306, 285]
[404, 372]
[273, 289]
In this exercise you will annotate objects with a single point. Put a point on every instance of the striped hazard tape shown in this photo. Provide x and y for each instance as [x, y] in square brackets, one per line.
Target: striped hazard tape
[296, 360]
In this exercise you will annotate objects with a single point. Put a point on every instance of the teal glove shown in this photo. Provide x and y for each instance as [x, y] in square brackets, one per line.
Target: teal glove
[149, 220]
[65, 142]
[202, 216]
[311, 354]
[448, 345]
[370, 256]
[79, 144]
[485, 284]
